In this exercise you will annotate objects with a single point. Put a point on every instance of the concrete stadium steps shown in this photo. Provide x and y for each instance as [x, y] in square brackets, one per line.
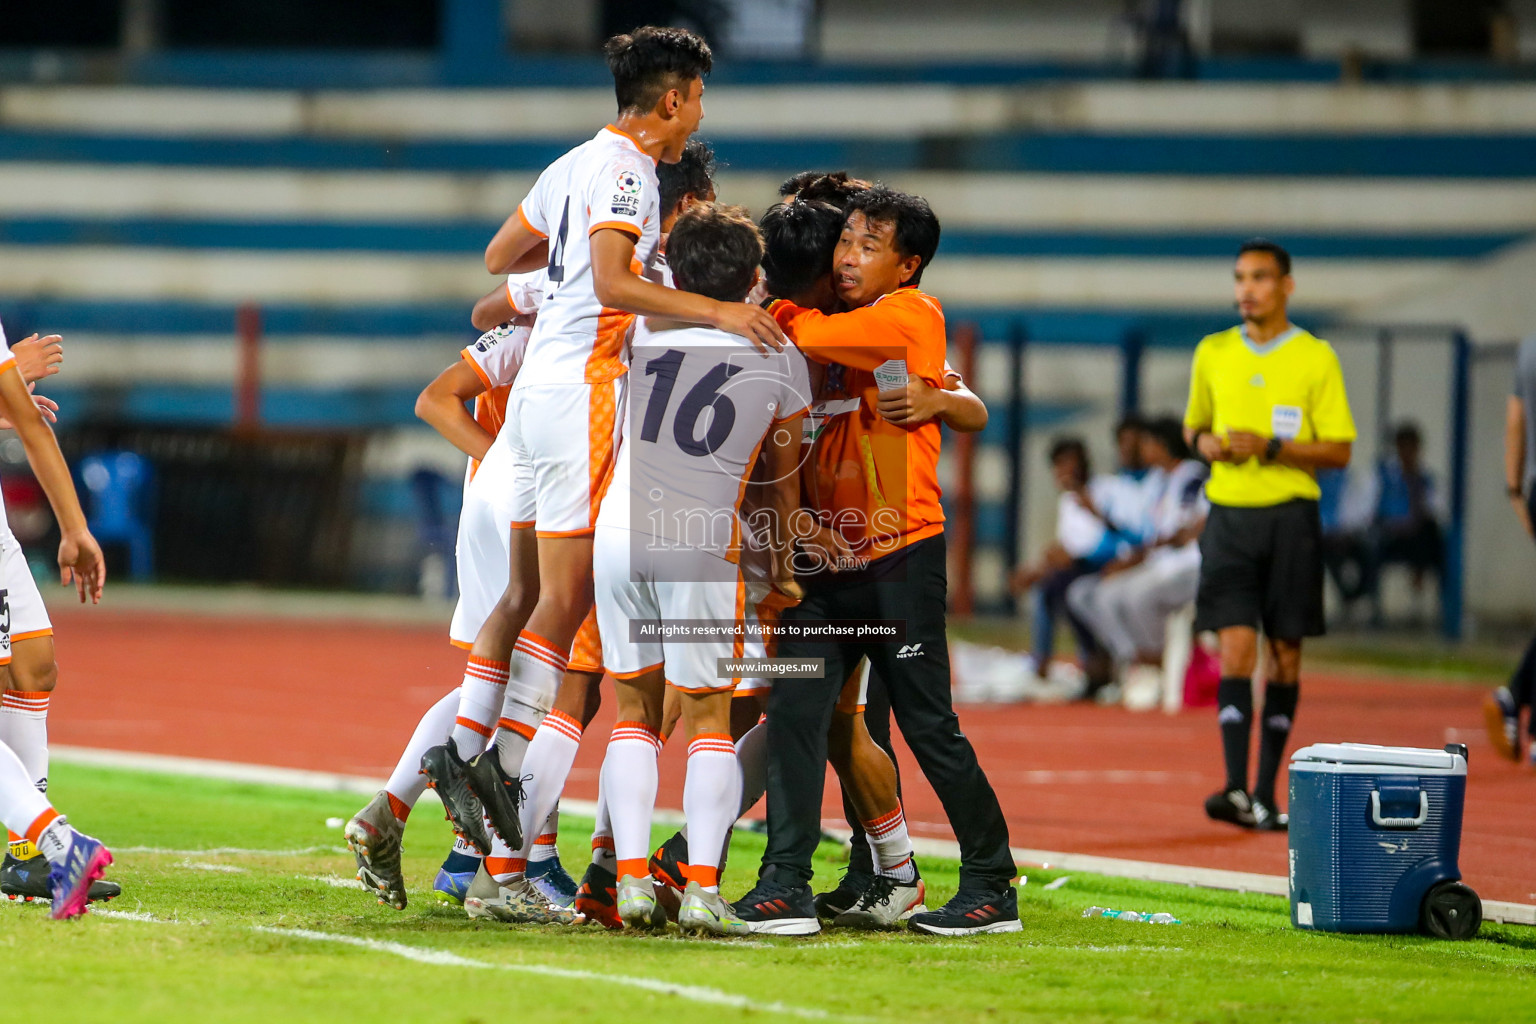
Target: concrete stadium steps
[1313, 154]
[304, 276]
[871, 109]
[966, 200]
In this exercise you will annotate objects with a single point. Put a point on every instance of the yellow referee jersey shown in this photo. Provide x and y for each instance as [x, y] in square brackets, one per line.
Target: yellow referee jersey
[1290, 387]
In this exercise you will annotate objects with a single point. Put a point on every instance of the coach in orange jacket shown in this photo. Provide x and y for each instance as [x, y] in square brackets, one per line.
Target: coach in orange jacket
[876, 484]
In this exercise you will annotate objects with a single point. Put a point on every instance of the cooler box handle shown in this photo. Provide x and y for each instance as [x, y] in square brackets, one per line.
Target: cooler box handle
[1399, 796]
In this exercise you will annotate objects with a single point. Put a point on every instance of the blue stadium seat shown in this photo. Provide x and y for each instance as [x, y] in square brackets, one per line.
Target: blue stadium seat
[119, 489]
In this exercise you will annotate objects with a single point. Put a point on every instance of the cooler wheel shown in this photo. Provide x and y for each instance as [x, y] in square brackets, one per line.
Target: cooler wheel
[1451, 911]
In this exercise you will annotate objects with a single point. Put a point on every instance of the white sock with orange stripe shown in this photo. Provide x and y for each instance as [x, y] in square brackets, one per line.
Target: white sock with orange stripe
[503, 863]
[892, 846]
[602, 833]
[544, 846]
[629, 779]
[545, 766]
[24, 728]
[752, 753]
[406, 783]
[480, 698]
[23, 809]
[515, 729]
[711, 800]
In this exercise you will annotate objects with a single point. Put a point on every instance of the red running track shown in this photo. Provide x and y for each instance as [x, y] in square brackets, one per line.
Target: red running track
[343, 697]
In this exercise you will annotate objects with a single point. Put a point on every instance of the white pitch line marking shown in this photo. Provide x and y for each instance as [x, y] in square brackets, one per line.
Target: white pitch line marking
[443, 958]
[229, 851]
[1147, 871]
[194, 865]
[334, 881]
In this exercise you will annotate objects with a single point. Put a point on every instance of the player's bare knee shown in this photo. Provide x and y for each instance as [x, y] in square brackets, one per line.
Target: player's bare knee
[38, 676]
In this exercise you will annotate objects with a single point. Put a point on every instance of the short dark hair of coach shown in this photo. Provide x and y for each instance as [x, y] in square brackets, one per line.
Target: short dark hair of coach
[1267, 409]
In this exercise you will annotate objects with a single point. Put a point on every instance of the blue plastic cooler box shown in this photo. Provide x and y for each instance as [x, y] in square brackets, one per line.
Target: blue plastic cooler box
[1374, 839]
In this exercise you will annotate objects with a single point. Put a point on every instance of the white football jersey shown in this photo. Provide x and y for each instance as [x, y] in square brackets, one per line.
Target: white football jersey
[498, 355]
[526, 291]
[607, 182]
[700, 405]
[6, 362]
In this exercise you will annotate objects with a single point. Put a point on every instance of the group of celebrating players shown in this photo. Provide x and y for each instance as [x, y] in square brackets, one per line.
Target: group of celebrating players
[702, 451]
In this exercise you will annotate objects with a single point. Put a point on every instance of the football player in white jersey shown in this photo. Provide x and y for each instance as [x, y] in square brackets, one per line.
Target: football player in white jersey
[484, 373]
[548, 750]
[593, 219]
[668, 548]
[72, 861]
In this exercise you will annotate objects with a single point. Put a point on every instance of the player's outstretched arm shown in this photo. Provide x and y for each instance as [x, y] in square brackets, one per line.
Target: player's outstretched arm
[619, 287]
[441, 406]
[80, 558]
[516, 248]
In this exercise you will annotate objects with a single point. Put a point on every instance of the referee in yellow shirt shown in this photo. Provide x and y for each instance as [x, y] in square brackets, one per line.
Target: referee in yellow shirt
[1267, 409]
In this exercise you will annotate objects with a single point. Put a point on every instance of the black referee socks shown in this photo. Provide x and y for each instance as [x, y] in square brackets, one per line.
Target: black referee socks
[1234, 698]
[1274, 730]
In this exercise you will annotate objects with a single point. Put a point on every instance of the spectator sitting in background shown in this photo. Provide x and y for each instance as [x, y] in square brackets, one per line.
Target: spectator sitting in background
[1127, 604]
[1405, 526]
[1084, 543]
[1344, 554]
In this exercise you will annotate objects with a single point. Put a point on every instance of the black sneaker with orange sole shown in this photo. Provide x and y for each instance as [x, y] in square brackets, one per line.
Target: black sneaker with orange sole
[597, 897]
[666, 867]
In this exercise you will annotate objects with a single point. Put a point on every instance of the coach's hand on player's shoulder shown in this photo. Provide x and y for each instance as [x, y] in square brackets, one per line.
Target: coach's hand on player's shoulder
[80, 563]
[38, 357]
[754, 323]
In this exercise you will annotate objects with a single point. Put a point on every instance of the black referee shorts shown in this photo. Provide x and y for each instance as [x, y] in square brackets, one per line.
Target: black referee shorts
[1262, 567]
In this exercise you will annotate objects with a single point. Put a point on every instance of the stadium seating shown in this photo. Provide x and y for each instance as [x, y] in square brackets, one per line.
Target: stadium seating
[135, 221]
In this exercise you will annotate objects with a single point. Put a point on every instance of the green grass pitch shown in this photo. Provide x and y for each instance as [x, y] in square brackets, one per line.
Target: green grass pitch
[227, 915]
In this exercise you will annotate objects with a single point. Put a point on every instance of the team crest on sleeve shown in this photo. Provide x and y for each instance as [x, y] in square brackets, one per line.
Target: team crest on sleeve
[627, 186]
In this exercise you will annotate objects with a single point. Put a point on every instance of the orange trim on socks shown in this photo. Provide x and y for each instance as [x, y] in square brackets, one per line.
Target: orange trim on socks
[498, 866]
[547, 839]
[35, 830]
[474, 726]
[634, 866]
[523, 729]
[703, 874]
[602, 842]
[398, 807]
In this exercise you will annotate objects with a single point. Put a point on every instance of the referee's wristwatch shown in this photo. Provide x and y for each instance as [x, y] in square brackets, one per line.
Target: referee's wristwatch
[1272, 450]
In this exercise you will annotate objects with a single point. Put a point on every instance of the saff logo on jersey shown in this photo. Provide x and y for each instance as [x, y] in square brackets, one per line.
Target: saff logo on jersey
[910, 651]
[629, 182]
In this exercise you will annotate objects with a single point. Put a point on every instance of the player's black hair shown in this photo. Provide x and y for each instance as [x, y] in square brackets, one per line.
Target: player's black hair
[1275, 249]
[795, 182]
[915, 228]
[650, 60]
[715, 250]
[1061, 447]
[798, 241]
[1130, 421]
[693, 175]
[1168, 431]
[835, 188]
